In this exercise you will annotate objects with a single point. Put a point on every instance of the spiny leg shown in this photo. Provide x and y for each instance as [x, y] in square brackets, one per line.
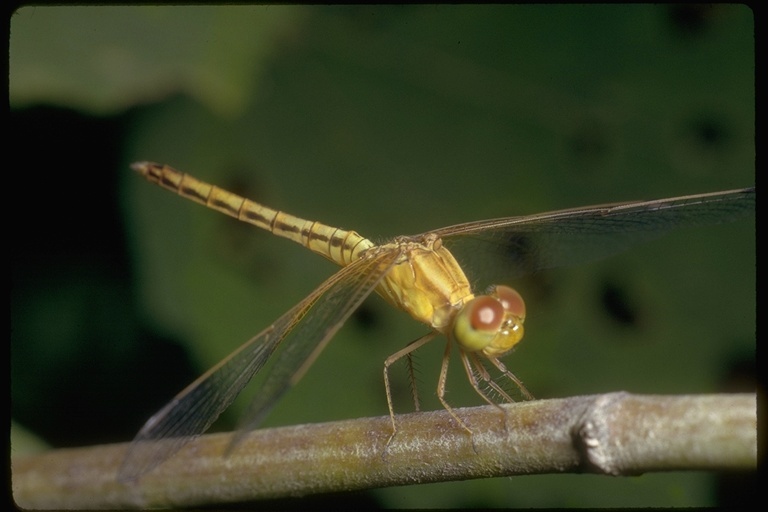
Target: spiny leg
[405, 352]
[511, 376]
[412, 379]
[441, 393]
[441, 387]
[472, 364]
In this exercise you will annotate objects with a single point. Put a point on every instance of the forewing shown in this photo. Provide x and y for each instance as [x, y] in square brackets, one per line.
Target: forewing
[514, 246]
[313, 333]
[305, 329]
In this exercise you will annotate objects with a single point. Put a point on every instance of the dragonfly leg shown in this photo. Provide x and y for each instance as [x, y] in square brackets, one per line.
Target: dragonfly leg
[441, 387]
[405, 352]
[412, 380]
[474, 367]
[511, 376]
[441, 393]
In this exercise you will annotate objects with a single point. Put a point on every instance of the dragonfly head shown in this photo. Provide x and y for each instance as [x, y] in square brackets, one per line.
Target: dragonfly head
[491, 323]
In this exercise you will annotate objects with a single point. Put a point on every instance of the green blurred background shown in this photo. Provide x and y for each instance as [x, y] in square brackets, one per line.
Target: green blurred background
[386, 120]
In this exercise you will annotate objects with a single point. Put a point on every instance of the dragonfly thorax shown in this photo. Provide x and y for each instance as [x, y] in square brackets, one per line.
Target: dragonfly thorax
[426, 281]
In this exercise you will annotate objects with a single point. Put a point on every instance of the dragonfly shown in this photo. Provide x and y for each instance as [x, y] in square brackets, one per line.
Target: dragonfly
[421, 275]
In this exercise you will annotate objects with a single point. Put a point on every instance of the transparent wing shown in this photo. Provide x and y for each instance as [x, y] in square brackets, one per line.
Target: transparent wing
[311, 336]
[305, 329]
[514, 246]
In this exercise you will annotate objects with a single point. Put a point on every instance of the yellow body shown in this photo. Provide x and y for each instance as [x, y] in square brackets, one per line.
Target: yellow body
[427, 283]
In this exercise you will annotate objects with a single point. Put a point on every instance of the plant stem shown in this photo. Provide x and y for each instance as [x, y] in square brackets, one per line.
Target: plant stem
[614, 434]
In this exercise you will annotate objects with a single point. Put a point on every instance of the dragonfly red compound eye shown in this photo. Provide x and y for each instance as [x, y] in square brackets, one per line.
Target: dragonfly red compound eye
[485, 314]
[478, 323]
[511, 300]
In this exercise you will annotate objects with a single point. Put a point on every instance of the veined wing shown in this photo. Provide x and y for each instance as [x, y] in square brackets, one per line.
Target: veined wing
[295, 339]
[515, 246]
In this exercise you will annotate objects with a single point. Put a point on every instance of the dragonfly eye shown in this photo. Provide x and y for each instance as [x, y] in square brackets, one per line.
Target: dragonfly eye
[491, 323]
[511, 300]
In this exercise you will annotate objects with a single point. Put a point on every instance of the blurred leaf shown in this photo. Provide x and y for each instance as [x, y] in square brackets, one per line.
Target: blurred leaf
[106, 59]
